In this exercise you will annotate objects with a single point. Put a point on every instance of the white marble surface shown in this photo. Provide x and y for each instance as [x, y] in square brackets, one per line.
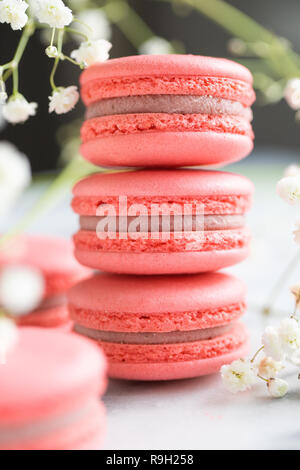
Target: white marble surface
[199, 413]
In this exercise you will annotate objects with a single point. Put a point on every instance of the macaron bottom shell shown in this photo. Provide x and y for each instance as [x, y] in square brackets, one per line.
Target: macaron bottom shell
[161, 263]
[169, 149]
[182, 369]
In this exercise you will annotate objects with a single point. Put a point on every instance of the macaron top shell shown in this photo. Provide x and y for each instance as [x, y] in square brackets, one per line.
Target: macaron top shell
[157, 294]
[167, 75]
[48, 372]
[171, 64]
[149, 183]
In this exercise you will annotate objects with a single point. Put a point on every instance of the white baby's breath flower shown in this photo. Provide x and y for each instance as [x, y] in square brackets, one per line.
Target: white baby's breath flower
[272, 343]
[15, 175]
[51, 52]
[268, 368]
[297, 233]
[292, 93]
[13, 13]
[289, 333]
[21, 289]
[52, 12]
[292, 170]
[156, 45]
[97, 24]
[18, 110]
[8, 337]
[289, 190]
[63, 100]
[236, 46]
[92, 52]
[238, 376]
[277, 387]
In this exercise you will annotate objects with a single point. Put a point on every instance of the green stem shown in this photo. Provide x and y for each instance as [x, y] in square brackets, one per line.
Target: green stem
[57, 59]
[129, 22]
[52, 37]
[284, 62]
[15, 80]
[79, 33]
[13, 66]
[262, 378]
[57, 189]
[6, 75]
[69, 59]
[256, 354]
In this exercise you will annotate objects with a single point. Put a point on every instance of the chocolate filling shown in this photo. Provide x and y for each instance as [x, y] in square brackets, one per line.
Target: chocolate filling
[173, 223]
[171, 104]
[153, 338]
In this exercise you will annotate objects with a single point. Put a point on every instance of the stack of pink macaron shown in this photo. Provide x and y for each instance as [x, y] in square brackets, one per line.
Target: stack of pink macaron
[158, 234]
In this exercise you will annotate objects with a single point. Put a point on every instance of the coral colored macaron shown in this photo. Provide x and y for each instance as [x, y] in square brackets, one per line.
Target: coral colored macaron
[162, 221]
[162, 327]
[53, 258]
[166, 110]
[50, 387]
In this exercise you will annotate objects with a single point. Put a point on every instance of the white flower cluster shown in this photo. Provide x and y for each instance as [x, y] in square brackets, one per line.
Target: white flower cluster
[15, 175]
[156, 45]
[92, 52]
[52, 12]
[63, 100]
[292, 93]
[282, 342]
[55, 14]
[29, 285]
[13, 12]
[21, 291]
[279, 343]
[18, 109]
[238, 376]
[241, 375]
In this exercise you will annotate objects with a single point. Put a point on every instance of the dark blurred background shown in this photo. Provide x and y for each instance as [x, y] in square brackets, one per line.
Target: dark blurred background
[274, 124]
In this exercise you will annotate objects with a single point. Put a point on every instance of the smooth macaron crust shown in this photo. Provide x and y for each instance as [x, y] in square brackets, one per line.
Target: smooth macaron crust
[166, 110]
[162, 327]
[53, 258]
[50, 387]
[141, 244]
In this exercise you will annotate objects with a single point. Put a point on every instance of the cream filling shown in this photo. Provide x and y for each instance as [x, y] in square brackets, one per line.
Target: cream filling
[171, 104]
[171, 337]
[172, 223]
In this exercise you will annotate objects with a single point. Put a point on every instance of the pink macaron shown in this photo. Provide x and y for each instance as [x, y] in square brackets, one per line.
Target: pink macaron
[162, 221]
[53, 258]
[162, 327]
[166, 110]
[50, 387]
